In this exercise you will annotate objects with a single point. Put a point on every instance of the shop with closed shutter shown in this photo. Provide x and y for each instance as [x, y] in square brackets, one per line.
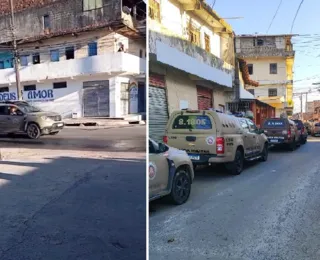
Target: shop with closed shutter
[158, 107]
[205, 98]
[96, 98]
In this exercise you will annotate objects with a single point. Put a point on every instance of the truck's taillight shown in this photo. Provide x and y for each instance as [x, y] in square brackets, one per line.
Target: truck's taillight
[220, 145]
[302, 130]
[289, 133]
[165, 139]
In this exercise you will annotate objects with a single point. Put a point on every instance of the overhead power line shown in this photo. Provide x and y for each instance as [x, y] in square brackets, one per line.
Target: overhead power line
[294, 19]
[274, 16]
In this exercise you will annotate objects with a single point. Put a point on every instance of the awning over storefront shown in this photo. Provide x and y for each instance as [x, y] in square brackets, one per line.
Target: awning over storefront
[260, 110]
[244, 94]
[276, 102]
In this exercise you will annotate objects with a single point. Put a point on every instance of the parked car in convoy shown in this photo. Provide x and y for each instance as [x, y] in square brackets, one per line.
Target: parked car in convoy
[302, 130]
[315, 129]
[282, 131]
[21, 117]
[170, 173]
[307, 125]
[210, 137]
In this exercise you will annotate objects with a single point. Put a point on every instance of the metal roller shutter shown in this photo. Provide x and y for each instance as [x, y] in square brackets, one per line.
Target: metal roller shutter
[204, 98]
[96, 99]
[158, 108]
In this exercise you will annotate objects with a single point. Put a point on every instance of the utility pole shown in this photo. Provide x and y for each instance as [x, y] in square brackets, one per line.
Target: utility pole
[16, 54]
[301, 102]
[301, 107]
[306, 106]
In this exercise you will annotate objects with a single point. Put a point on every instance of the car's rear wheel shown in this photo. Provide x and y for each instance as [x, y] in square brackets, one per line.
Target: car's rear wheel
[265, 153]
[236, 167]
[33, 131]
[299, 142]
[293, 145]
[181, 187]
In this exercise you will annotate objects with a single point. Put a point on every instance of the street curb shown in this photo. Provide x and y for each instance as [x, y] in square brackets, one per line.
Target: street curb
[104, 127]
[91, 124]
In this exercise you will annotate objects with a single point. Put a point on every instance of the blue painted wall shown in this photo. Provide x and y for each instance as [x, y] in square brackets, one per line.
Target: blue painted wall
[141, 97]
[6, 58]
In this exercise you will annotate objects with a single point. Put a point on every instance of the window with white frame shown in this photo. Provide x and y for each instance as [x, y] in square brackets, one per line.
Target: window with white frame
[36, 58]
[260, 42]
[69, 53]
[92, 49]
[154, 10]
[272, 92]
[250, 69]
[207, 46]
[4, 89]
[29, 87]
[273, 68]
[46, 22]
[89, 5]
[54, 55]
[194, 33]
[24, 60]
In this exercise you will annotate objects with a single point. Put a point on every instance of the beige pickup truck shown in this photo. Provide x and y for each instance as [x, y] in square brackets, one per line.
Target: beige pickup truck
[21, 117]
[170, 173]
[210, 137]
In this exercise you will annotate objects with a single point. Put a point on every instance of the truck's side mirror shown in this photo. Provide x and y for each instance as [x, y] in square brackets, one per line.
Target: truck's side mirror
[162, 148]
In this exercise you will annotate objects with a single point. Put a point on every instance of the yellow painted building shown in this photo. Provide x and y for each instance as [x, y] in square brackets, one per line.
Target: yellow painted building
[270, 60]
[192, 59]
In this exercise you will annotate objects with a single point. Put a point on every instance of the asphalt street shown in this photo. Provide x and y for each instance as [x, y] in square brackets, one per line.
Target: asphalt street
[270, 211]
[58, 205]
[123, 139]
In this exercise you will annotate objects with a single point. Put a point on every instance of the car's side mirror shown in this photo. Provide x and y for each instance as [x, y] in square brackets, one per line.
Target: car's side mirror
[162, 148]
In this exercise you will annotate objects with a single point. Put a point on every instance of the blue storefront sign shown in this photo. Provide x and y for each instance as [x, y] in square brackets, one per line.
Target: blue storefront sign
[41, 95]
[6, 96]
[33, 95]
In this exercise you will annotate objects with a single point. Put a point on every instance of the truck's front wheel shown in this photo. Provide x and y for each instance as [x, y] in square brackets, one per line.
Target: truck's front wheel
[33, 131]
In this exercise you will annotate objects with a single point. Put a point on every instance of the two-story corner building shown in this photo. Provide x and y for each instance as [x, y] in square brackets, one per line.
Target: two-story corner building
[82, 58]
[191, 59]
[270, 61]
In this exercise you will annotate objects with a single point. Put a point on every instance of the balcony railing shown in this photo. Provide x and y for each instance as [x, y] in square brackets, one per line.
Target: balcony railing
[264, 51]
[190, 49]
[112, 64]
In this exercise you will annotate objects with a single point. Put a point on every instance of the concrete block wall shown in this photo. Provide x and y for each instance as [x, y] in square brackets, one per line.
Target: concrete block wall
[261, 70]
[65, 16]
[264, 91]
[180, 88]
